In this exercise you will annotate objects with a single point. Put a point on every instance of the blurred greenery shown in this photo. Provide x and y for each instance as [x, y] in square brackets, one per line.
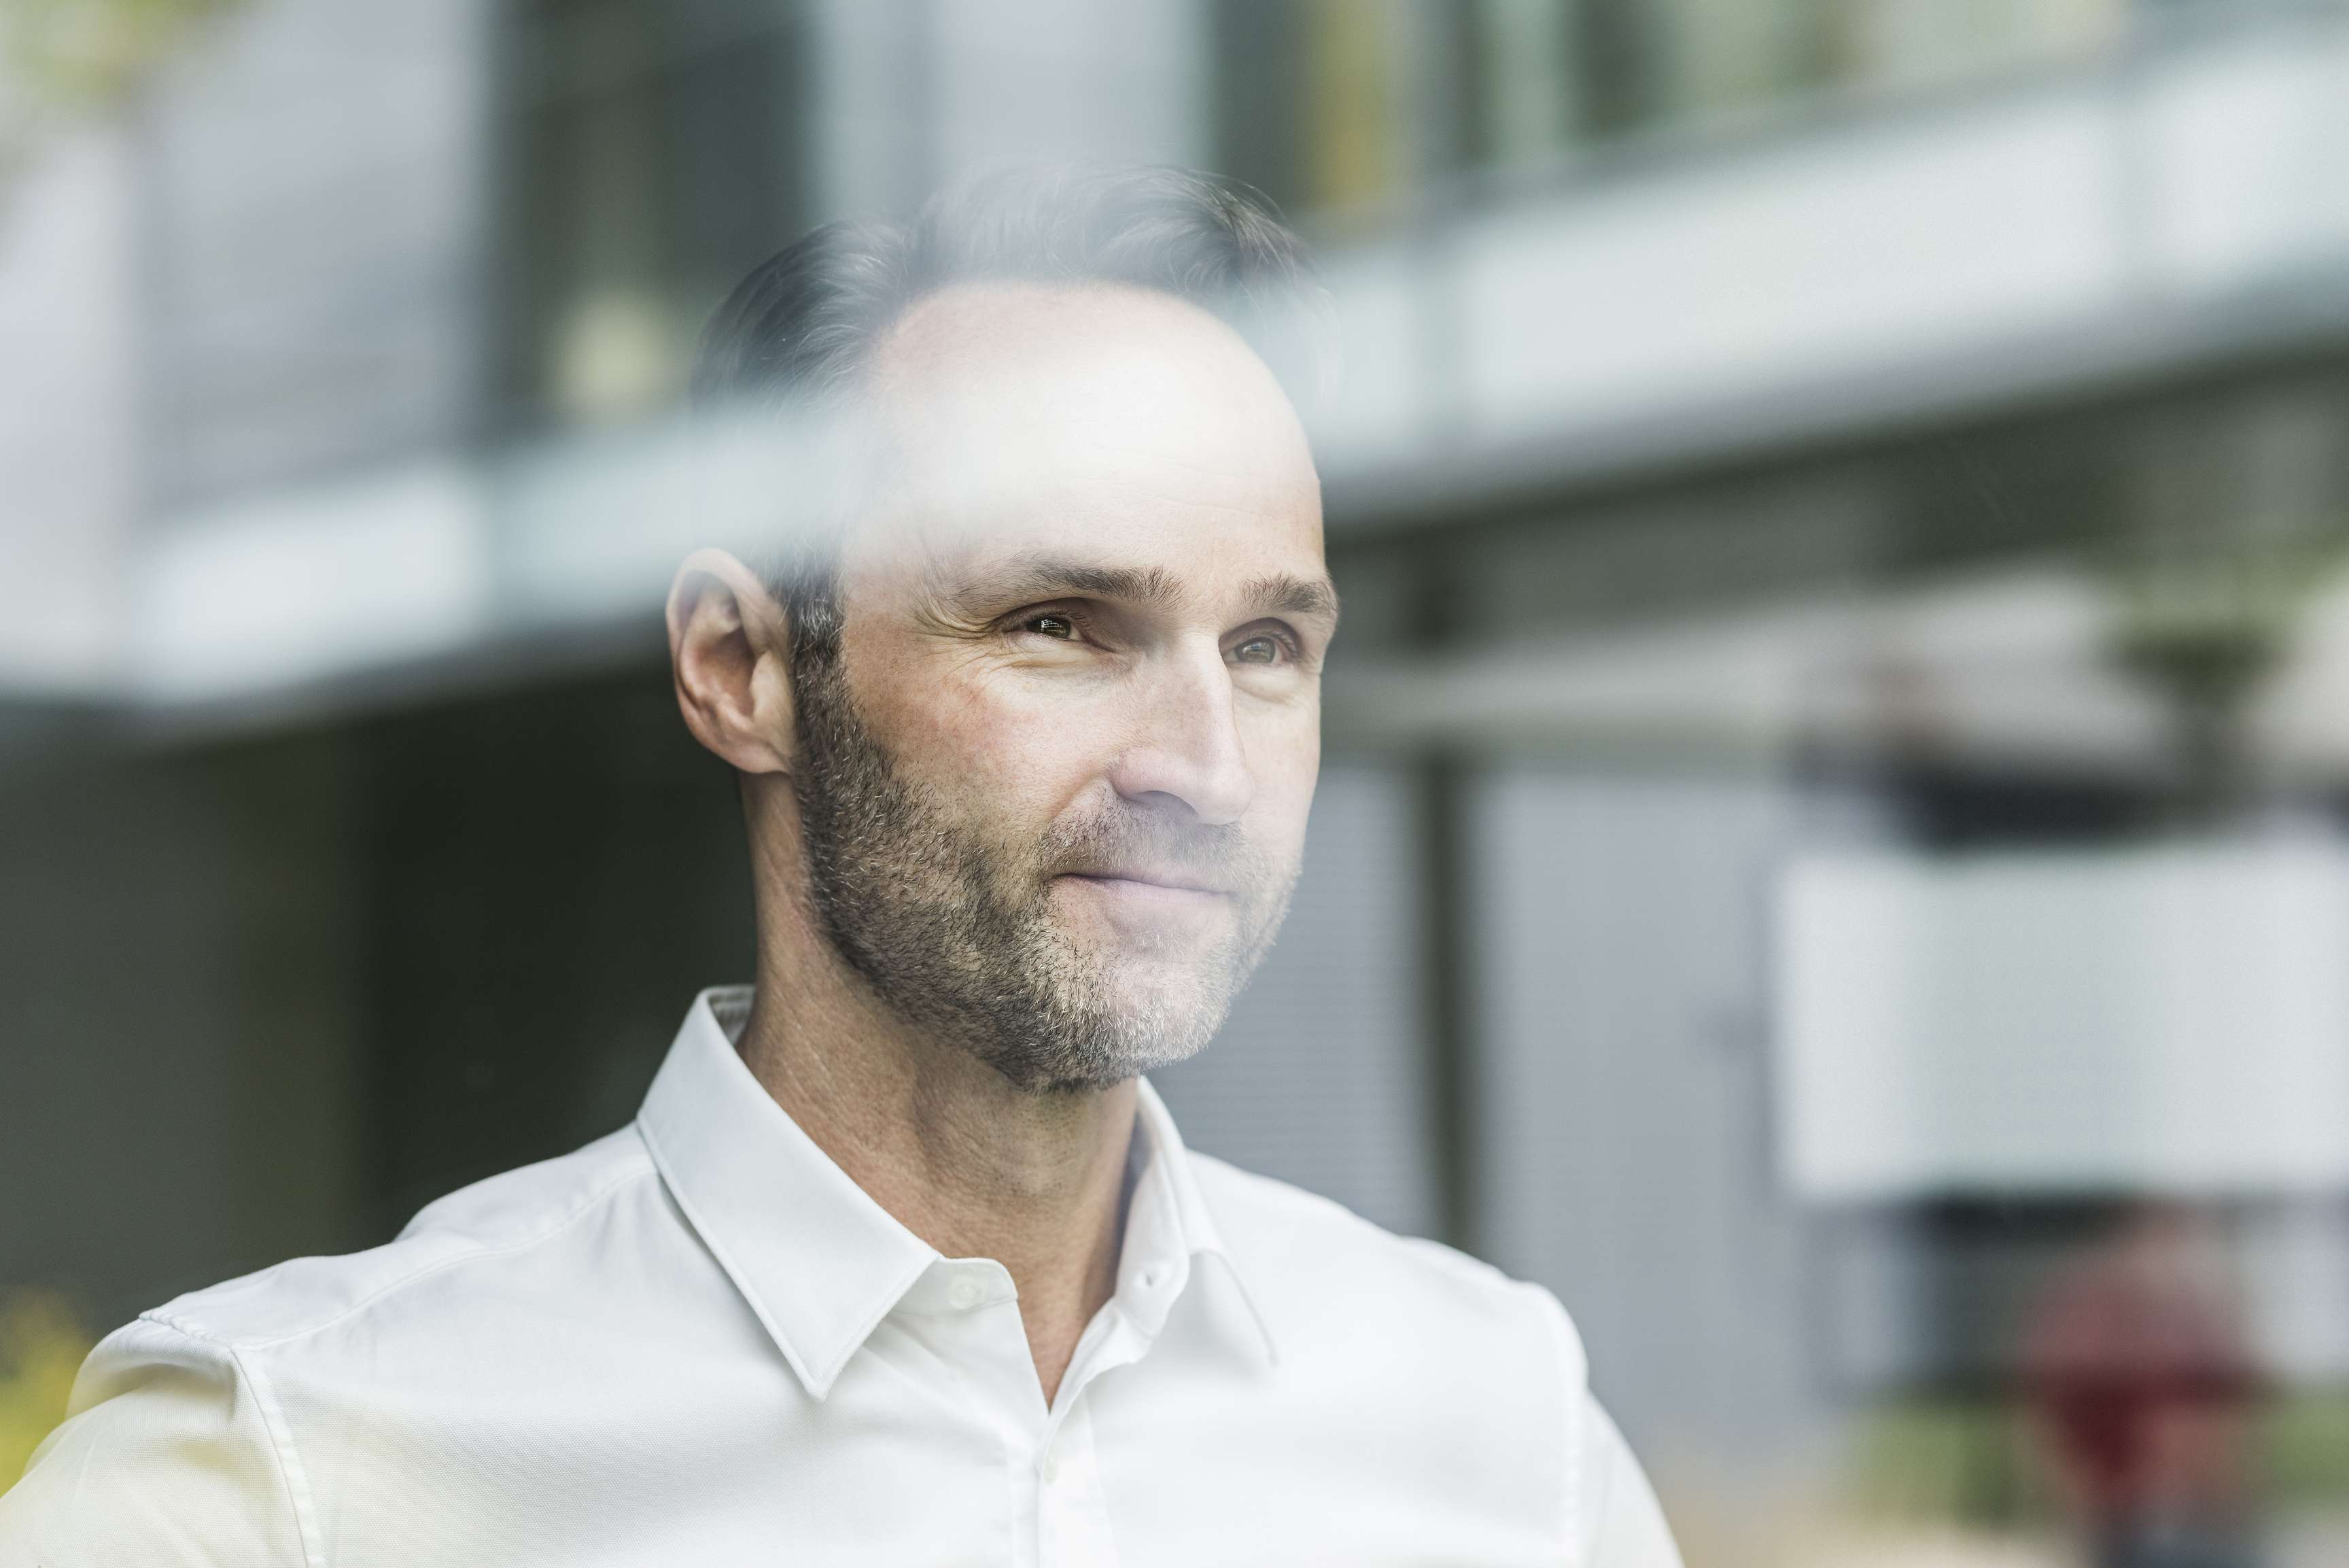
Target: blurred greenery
[1969, 1463]
[1962, 1463]
[42, 1344]
[83, 51]
[2207, 611]
[59, 58]
[2304, 1450]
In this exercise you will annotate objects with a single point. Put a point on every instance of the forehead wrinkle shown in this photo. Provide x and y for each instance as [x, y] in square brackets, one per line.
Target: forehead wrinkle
[1257, 510]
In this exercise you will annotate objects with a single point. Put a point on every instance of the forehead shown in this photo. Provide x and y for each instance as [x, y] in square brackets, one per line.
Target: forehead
[1112, 424]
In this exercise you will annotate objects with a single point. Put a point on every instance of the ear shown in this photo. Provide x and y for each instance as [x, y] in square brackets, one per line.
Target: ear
[730, 655]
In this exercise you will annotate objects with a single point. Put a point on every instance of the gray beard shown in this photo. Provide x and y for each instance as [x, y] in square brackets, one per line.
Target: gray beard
[953, 928]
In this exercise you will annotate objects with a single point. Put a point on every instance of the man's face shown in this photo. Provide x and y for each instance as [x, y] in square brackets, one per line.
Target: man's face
[1054, 791]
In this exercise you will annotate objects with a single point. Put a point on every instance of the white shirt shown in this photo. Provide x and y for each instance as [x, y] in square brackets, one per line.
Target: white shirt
[697, 1341]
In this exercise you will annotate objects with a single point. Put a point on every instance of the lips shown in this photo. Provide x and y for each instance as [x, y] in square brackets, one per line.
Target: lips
[1167, 881]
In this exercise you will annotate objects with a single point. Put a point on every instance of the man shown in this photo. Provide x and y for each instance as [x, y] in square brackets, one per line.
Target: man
[903, 1262]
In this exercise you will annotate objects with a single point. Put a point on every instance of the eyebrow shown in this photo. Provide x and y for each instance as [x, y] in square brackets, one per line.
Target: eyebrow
[1291, 596]
[1044, 577]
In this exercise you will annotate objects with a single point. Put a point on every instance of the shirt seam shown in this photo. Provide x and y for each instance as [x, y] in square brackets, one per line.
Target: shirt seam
[1571, 1520]
[288, 1458]
[555, 1228]
[1605, 1488]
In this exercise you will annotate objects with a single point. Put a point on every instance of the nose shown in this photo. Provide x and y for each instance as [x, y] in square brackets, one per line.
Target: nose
[1186, 748]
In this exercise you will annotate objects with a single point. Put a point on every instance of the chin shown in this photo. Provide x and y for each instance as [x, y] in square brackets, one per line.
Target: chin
[1152, 1003]
[1166, 1016]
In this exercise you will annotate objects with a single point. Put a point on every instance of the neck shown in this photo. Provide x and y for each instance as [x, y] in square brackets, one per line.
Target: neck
[944, 1142]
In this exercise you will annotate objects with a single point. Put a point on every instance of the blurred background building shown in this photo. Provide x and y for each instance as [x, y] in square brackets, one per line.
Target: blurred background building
[1832, 851]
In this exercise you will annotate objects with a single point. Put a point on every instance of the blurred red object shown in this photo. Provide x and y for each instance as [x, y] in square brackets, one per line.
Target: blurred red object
[2142, 1386]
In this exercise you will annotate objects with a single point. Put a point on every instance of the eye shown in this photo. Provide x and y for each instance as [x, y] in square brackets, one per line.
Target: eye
[1261, 649]
[1052, 624]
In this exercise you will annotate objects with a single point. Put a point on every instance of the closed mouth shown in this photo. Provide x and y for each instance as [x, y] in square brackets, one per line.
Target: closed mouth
[1165, 881]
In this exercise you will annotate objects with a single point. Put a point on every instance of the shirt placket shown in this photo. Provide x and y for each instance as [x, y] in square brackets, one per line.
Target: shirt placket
[968, 1312]
[1059, 1515]
[1073, 1524]
[1057, 1506]
[1072, 1520]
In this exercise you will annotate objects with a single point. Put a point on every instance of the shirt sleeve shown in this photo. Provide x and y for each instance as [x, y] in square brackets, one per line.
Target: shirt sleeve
[1625, 1524]
[167, 1460]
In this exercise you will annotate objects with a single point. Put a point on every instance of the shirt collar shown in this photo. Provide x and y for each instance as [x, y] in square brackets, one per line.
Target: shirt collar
[818, 1259]
[819, 1262]
[1169, 1227]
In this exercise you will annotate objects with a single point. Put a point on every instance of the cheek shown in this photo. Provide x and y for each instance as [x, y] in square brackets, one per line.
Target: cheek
[1284, 758]
[1021, 753]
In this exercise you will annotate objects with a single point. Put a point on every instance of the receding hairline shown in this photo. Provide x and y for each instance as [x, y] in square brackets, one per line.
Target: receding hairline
[980, 328]
[804, 331]
[808, 317]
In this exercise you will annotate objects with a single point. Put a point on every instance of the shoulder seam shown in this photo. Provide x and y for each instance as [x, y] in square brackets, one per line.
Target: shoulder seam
[289, 1467]
[289, 1461]
[1573, 1376]
[547, 1232]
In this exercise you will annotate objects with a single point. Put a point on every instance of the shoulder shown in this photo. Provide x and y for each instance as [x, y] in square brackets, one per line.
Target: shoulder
[166, 1459]
[1468, 1387]
[1322, 1269]
[180, 1445]
[506, 1217]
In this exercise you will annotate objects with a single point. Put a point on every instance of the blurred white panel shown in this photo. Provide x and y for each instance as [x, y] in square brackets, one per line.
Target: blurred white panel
[591, 528]
[1067, 80]
[1835, 254]
[316, 233]
[870, 153]
[1375, 410]
[1941, 253]
[2295, 1274]
[2004, 669]
[2245, 142]
[307, 585]
[2173, 1019]
[1730, 687]
[2301, 716]
[68, 410]
[1318, 1076]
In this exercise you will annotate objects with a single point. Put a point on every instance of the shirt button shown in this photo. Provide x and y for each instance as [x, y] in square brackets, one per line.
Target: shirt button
[1051, 1469]
[962, 1294]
